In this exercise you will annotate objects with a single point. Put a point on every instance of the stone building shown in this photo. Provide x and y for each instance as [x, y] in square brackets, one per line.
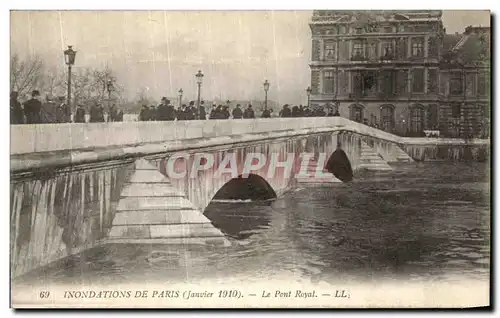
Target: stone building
[383, 68]
[465, 84]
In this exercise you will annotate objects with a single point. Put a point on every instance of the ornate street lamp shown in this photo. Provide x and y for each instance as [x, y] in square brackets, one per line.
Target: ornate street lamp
[266, 88]
[109, 85]
[308, 90]
[199, 80]
[180, 92]
[69, 57]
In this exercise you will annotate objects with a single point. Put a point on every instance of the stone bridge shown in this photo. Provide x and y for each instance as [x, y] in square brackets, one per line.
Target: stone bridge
[77, 186]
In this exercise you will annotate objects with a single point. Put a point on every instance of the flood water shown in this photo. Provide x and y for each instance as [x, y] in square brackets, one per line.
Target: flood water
[420, 221]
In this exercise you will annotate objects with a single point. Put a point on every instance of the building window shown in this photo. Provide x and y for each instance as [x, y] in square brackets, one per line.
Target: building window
[433, 80]
[387, 50]
[402, 81]
[387, 117]
[433, 47]
[416, 119]
[482, 84]
[388, 82]
[372, 51]
[456, 109]
[370, 82]
[329, 82]
[358, 50]
[402, 48]
[456, 83]
[329, 50]
[417, 48]
[364, 82]
[343, 82]
[388, 29]
[432, 117]
[470, 81]
[342, 29]
[418, 80]
[356, 113]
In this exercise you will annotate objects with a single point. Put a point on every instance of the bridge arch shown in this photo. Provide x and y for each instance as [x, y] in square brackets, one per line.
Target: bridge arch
[339, 165]
[253, 187]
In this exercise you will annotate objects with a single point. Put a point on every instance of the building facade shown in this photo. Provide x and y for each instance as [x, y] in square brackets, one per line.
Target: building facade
[384, 68]
[465, 84]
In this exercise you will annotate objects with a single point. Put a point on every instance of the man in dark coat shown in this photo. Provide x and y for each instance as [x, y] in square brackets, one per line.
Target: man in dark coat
[170, 112]
[63, 113]
[307, 112]
[16, 111]
[190, 112]
[79, 114]
[203, 113]
[249, 113]
[32, 108]
[153, 113]
[162, 110]
[219, 112]
[266, 113]
[237, 112]
[113, 113]
[213, 112]
[97, 113]
[181, 112]
[144, 114]
[295, 111]
[319, 112]
[285, 112]
[119, 116]
[225, 111]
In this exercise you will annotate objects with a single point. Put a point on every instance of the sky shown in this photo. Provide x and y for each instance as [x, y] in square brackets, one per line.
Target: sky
[160, 51]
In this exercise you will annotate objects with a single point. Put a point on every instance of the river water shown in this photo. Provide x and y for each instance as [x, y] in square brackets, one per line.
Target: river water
[420, 221]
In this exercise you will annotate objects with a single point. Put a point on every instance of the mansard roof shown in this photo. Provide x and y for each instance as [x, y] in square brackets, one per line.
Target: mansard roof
[468, 48]
[335, 16]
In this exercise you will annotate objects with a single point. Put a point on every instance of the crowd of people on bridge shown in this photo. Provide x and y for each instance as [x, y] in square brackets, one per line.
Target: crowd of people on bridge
[34, 111]
[167, 111]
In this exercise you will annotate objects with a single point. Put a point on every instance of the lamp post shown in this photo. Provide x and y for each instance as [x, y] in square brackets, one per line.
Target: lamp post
[69, 57]
[266, 88]
[109, 86]
[180, 96]
[199, 80]
[308, 90]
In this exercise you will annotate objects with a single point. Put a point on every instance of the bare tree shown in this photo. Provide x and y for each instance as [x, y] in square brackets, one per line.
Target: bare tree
[25, 75]
[52, 82]
[89, 85]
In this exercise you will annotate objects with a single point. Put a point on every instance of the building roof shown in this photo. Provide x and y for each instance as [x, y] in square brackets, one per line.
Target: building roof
[332, 16]
[449, 41]
[470, 47]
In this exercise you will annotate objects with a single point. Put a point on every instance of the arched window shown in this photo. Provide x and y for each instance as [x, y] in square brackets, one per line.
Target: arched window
[356, 113]
[387, 117]
[417, 119]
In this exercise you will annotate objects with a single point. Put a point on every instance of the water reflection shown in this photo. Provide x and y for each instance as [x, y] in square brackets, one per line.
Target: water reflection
[240, 220]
